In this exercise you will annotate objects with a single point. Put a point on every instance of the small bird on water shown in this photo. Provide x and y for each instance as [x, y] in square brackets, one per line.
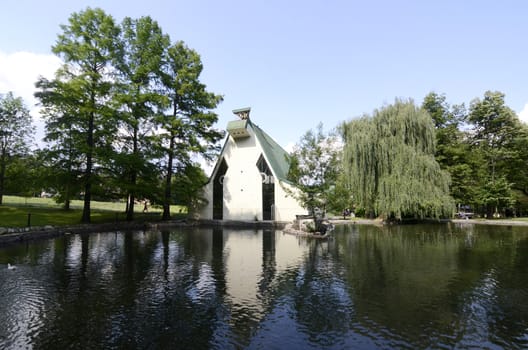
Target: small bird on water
[10, 267]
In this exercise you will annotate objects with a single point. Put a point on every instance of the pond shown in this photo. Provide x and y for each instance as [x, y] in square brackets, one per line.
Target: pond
[434, 286]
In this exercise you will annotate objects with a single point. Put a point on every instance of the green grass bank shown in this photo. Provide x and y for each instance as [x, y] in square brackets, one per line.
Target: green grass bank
[23, 212]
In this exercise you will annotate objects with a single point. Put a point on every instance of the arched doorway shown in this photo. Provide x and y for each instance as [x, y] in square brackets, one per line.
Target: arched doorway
[268, 189]
[218, 191]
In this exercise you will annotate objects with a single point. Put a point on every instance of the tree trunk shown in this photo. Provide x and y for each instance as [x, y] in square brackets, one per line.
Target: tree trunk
[67, 197]
[89, 165]
[2, 174]
[130, 207]
[87, 192]
[489, 211]
[167, 198]
[133, 179]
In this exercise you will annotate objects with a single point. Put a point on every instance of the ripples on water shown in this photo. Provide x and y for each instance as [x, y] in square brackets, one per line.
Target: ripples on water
[368, 288]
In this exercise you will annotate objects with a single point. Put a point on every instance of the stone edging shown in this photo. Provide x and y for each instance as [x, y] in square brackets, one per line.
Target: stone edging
[23, 234]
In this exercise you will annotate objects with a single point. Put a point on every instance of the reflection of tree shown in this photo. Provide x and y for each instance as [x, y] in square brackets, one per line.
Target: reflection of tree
[494, 308]
[166, 252]
[180, 308]
[217, 261]
[322, 298]
[75, 309]
[318, 300]
[133, 295]
[24, 292]
[422, 285]
[511, 293]
[400, 280]
[414, 283]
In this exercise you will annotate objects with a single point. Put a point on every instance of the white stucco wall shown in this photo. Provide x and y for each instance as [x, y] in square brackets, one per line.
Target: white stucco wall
[242, 181]
[243, 185]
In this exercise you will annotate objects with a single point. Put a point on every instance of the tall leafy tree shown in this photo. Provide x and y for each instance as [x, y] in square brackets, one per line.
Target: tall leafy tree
[447, 121]
[517, 171]
[139, 67]
[188, 183]
[453, 149]
[314, 169]
[389, 163]
[496, 132]
[340, 197]
[24, 176]
[187, 128]
[62, 166]
[16, 129]
[62, 158]
[82, 90]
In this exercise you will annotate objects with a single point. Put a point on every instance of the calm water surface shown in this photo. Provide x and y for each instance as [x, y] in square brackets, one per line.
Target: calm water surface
[414, 287]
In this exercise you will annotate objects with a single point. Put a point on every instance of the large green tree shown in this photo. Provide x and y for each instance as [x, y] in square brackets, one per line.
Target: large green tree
[447, 121]
[24, 176]
[139, 65]
[83, 88]
[498, 135]
[517, 171]
[389, 162]
[314, 168]
[454, 149]
[188, 183]
[187, 128]
[62, 158]
[16, 129]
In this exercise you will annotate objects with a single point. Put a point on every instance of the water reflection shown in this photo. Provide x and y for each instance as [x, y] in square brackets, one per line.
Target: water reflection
[435, 286]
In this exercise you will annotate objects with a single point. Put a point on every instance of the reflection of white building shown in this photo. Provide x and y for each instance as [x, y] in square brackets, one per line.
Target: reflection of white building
[249, 180]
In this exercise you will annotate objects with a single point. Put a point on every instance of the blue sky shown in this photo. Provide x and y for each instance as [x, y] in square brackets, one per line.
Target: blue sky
[298, 63]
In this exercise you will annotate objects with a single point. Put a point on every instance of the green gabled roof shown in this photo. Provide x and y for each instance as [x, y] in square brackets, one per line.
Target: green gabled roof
[274, 153]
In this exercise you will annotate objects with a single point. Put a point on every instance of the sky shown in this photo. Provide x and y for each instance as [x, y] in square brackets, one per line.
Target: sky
[299, 63]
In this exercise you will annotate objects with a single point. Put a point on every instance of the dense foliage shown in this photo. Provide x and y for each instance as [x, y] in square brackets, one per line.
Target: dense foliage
[485, 149]
[124, 112]
[406, 161]
[314, 165]
[187, 126]
[15, 135]
[390, 165]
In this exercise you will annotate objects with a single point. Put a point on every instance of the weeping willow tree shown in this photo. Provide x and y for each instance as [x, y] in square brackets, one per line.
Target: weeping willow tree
[389, 163]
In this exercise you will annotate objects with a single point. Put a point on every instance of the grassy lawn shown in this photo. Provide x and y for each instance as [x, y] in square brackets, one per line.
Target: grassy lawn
[520, 219]
[44, 211]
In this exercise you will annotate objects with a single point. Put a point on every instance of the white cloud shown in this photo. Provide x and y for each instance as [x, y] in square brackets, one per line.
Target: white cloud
[20, 70]
[18, 73]
[523, 115]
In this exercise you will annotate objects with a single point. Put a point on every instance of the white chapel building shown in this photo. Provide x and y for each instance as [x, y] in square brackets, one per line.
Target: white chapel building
[249, 180]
